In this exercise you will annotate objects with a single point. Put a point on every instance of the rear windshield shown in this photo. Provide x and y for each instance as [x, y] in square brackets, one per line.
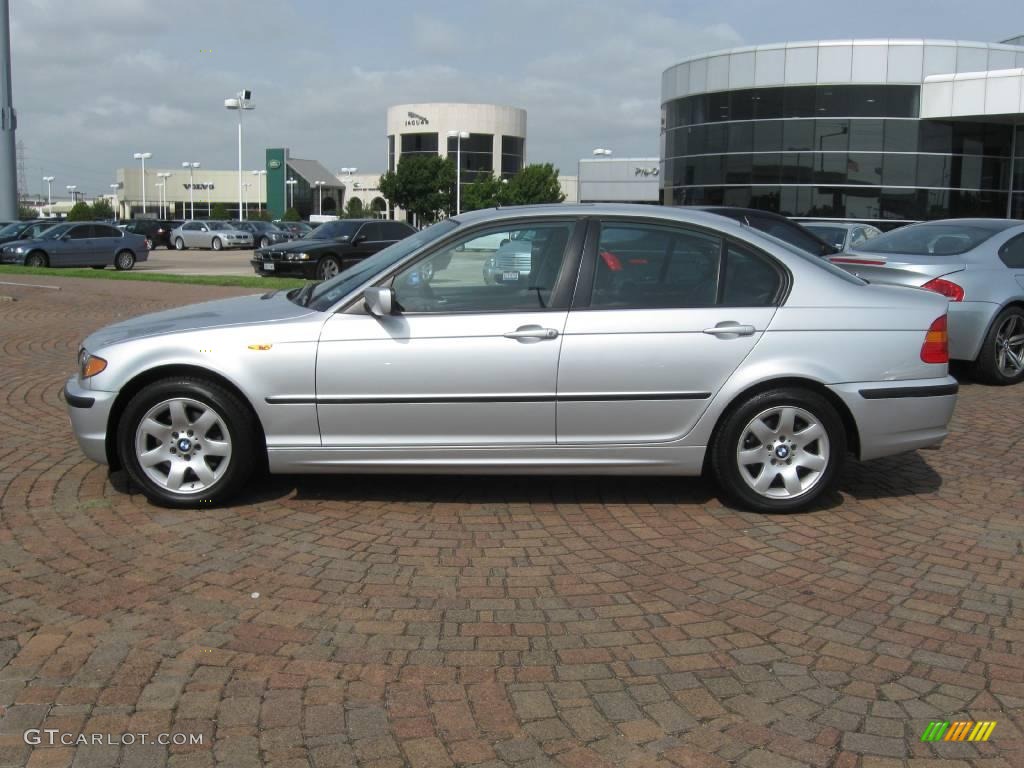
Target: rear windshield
[929, 240]
[834, 236]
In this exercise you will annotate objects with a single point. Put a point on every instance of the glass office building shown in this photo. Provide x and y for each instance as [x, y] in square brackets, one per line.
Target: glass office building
[879, 130]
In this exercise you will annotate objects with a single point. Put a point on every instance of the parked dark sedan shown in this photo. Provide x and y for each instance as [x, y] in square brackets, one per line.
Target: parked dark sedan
[157, 231]
[776, 225]
[81, 244]
[330, 248]
[264, 234]
[25, 230]
[294, 228]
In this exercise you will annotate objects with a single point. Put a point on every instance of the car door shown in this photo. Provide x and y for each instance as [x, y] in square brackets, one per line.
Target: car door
[107, 241]
[366, 242]
[664, 313]
[462, 362]
[78, 250]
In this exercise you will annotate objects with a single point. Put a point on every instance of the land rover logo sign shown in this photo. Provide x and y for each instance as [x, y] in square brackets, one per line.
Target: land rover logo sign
[415, 119]
[274, 164]
[646, 172]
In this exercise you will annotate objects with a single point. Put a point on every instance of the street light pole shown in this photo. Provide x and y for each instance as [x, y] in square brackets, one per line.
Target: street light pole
[143, 156]
[245, 186]
[320, 190]
[117, 213]
[241, 101]
[163, 194]
[71, 191]
[459, 136]
[291, 192]
[259, 174]
[49, 197]
[191, 187]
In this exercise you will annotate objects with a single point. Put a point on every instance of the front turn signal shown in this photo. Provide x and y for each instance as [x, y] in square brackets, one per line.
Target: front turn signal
[92, 366]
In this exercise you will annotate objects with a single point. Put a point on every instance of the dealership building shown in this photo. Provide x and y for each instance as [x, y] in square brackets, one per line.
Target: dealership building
[874, 130]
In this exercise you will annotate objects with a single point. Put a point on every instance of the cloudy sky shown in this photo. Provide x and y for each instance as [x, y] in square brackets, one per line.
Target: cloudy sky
[96, 80]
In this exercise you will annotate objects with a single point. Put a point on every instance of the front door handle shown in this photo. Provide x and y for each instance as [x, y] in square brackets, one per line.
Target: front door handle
[730, 328]
[531, 332]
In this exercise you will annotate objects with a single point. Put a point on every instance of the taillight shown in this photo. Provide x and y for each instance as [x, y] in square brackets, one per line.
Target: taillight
[950, 290]
[936, 342]
[861, 262]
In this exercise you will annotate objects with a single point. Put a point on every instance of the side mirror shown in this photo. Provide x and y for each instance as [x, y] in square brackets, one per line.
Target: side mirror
[358, 239]
[205, 229]
[379, 301]
[65, 238]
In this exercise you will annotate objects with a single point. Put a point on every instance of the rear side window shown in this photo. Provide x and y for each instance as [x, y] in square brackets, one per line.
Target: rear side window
[82, 232]
[101, 230]
[647, 266]
[750, 280]
[1012, 253]
[371, 232]
[792, 233]
[395, 231]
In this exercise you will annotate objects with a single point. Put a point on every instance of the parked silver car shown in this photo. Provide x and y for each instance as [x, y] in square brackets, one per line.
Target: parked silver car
[841, 235]
[978, 264]
[209, 234]
[79, 244]
[646, 341]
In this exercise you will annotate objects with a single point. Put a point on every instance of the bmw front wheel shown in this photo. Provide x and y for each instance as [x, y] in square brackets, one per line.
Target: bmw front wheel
[779, 451]
[187, 442]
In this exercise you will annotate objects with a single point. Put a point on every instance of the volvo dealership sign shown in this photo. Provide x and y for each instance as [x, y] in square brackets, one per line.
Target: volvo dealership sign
[209, 185]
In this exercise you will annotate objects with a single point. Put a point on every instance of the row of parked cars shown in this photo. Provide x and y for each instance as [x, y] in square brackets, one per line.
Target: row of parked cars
[213, 234]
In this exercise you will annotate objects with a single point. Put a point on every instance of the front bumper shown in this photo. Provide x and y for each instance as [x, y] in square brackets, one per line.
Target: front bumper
[12, 258]
[282, 267]
[897, 416]
[89, 410]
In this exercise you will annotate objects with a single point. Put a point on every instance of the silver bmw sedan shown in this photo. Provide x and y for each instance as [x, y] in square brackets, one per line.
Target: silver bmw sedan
[978, 265]
[636, 340]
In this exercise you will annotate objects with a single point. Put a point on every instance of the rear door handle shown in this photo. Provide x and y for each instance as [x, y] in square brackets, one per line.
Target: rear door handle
[731, 329]
[532, 332]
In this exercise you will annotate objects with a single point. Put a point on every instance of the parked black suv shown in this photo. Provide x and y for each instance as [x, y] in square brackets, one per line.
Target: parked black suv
[776, 225]
[330, 248]
[157, 231]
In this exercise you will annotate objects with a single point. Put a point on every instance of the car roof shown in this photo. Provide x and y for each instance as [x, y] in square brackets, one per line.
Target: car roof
[692, 214]
[840, 224]
[995, 225]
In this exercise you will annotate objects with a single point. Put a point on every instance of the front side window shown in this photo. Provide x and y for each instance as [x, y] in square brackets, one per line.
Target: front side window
[510, 269]
[647, 266]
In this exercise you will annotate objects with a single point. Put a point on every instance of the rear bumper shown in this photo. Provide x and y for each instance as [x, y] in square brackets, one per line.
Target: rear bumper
[897, 416]
[89, 411]
[968, 324]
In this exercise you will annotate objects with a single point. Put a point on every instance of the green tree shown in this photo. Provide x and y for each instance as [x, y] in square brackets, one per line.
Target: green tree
[423, 185]
[102, 210]
[259, 215]
[80, 211]
[486, 192]
[534, 184]
[220, 212]
[291, 215]
[354, 208]
[26, 213]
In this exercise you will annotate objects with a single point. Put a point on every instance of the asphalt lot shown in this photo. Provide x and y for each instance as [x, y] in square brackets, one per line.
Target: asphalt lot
[196, 262]
[495, 621]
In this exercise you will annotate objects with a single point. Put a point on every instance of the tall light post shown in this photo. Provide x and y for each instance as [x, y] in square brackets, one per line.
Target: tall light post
[191, 186]
[113, 190]
[320, 189]
[259, 174]
[245, 186]
[291, 192]
[164, 176]
[49, 197]
[458, 136]
[143, 156]
[71, 191]
[160, 191]
[348, 177]
[241, 102]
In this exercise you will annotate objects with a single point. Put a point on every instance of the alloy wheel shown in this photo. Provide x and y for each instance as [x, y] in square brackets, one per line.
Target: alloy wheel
[783, 452]
[1010, 346]
[183, 445]
[328, 269]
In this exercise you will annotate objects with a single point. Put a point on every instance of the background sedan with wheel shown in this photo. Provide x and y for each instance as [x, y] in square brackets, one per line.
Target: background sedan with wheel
[82, 244]
[978, 264]
[330, 248]
[213, 235]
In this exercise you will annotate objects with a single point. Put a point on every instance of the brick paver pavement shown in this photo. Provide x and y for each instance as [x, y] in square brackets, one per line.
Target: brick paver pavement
[498, 621]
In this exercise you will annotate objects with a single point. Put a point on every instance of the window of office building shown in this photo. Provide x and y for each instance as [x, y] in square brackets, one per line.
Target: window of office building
[419, 143]
[477, 154]
[513, 150]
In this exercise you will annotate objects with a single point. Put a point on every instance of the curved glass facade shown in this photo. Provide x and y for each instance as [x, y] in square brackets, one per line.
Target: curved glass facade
[846, 151]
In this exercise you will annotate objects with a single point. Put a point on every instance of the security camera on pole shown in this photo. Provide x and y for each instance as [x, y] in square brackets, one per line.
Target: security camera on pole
[241, 102]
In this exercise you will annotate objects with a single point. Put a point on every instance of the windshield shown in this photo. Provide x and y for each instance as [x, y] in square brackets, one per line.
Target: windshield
[834, 236]
[328, 293]
[334, 230]
[937, 239]
[55, 232]
[12, 229]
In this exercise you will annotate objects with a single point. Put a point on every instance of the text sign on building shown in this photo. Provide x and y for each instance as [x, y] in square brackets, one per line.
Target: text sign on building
[206, 185]
[416, 119]
[646, 171]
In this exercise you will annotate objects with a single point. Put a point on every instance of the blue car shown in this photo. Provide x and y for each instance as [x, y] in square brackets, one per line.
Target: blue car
[81, 244]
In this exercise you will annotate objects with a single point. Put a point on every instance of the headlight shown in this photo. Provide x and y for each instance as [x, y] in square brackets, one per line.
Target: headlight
[90, 365]
[19, 249]
[298, 257]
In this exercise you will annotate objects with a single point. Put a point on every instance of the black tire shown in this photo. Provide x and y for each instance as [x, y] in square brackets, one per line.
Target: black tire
[216, 244]
[179, 244]
[327, 268]
[725, 462]
[237, 417]
[99, 266]
[264, 242]
[987, 366]
[37, 259]
[124, 260]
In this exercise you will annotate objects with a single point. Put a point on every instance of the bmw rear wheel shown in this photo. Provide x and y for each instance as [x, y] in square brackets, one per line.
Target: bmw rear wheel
[187, 442]
[124, 260]
[779, 451]
[1002, 353]
[179, 244]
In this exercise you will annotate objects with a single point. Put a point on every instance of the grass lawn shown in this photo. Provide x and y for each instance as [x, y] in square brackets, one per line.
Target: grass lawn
[153, 277]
